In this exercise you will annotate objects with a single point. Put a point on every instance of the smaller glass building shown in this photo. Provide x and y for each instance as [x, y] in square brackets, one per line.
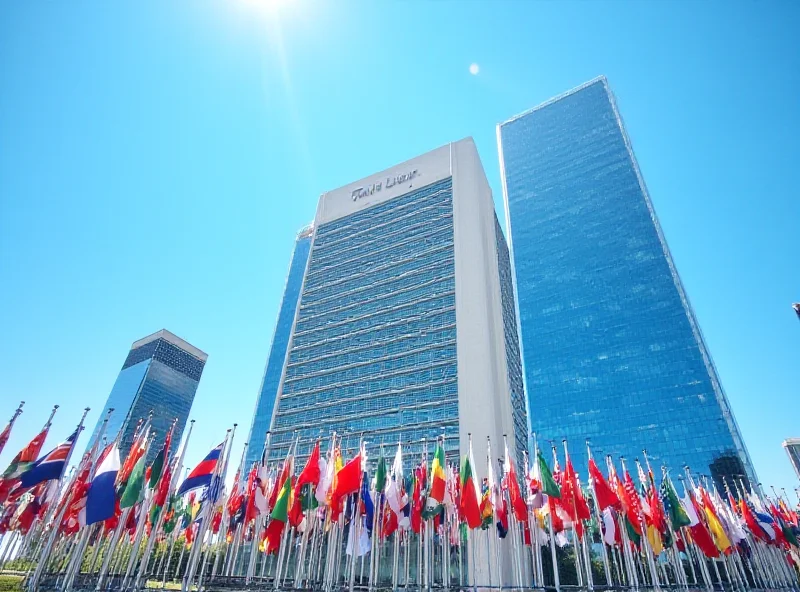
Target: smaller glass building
[160, 375]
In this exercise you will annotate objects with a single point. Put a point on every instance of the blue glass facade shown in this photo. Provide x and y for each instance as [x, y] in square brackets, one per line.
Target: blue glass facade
[519, 404]
[374, 345]
[280, 343]
[611, 349]
[160, 377]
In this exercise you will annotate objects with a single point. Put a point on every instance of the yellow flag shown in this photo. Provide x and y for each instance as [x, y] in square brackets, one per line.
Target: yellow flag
[720, 538]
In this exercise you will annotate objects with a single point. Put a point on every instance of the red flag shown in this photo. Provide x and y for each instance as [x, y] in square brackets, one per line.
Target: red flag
[703, 540]
[518, 505]
[572, 497]
[348, 480]
[310, 473]
[752, 523]
[604, 495]
[416, 501]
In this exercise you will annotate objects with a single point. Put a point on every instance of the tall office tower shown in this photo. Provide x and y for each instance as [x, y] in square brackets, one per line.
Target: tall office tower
[405, 324]
[160, 375]
[265, 405]
[792, 446]
[611, 348]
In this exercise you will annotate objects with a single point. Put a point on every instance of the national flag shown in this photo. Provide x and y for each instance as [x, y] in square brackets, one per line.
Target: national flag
[380, 474]
[572, 496]
[347, 481]
[134, 489]
[201, 474]
[752, 523]
[609, 526]
[278, 517]
[368, 508]
[721, 539]
[21, 463]
[157, 468]
[101, 498]
[416, 499]
[469, 506]
[487, 511]
[549, 486]
[438, 482]
[677, 515]
[396, 495]
[518, 505]
[51, 465]
[604, 495]
[310, 473]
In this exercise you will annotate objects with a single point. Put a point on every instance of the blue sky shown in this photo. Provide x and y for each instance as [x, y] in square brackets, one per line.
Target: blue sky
[157, 158]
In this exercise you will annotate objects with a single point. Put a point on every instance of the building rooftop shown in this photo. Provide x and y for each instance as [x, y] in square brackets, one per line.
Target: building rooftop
[174, 340]
[600, 78]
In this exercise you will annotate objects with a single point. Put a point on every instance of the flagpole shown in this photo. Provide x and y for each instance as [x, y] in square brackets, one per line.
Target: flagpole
[59, 515]
[598, 517]
[194, 555]
[155, 528]
[259, 521]
[7, 430]
[83, 539]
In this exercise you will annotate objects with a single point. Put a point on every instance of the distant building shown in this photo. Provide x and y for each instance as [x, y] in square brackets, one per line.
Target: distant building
[404, 329]
[160, 374]
[611, 349]
[792, 447]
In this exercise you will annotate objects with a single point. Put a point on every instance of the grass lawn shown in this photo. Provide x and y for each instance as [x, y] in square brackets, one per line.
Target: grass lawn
[10, 583]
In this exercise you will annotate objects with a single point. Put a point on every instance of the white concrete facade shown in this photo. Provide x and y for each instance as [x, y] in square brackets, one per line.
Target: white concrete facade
[483, 391]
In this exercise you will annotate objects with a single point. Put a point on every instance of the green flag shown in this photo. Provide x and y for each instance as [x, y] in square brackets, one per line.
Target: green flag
[308, 501]
[157, 467]
[132, 493]
[380, 474]
[634, 536]
[549, 485]
[677, 514]
[281, 510]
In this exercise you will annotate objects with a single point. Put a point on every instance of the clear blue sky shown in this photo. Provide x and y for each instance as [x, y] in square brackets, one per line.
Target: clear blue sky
[157, 158]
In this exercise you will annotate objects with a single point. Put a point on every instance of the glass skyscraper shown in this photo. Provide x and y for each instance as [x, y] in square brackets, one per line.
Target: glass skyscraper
[405, 327]
[160, 374]
[610, 346]
[265, 404]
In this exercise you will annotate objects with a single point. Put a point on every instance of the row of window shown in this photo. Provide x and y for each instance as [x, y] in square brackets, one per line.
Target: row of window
[399, 231]
[376, 334]
[396, 380]
[423, 357]
[370, 349]
[429, 256]
[389, 253]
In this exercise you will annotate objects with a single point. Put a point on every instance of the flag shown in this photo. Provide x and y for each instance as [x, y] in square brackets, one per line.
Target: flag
[469, 505]
[609, 526]
[157, 468]
[549, 486]
[380, 474]
[518, 505]
[435, 497]
[366, 503]
[201, 474]
[604, 495]
[396, 495]
[26, 457]
[132, 494]
[348, 480]
[101, 498]
[310, 473]
[574, 502]
[677, 514]
[51, 465]
[278, 517]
